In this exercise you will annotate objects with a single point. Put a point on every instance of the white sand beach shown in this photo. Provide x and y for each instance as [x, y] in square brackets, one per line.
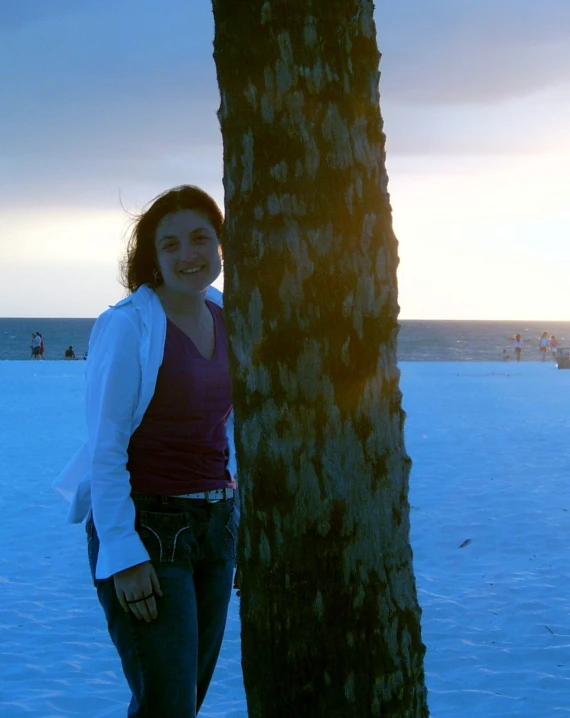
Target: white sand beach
[490, 498]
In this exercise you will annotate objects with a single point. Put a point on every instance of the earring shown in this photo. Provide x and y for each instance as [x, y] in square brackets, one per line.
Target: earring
[157, 276]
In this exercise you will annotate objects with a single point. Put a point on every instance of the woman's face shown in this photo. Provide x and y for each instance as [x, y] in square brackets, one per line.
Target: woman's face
[187, 251]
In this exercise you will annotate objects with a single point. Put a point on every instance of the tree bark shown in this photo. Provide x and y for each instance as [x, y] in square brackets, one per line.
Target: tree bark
[330, 619]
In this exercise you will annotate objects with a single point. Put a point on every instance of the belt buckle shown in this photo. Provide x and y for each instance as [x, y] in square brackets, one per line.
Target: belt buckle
[213, 501]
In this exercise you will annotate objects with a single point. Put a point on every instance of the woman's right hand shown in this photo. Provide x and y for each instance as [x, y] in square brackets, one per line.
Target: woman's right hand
[137, 588]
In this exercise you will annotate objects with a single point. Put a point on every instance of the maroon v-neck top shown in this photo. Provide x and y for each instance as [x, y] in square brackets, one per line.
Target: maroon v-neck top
[181, 445]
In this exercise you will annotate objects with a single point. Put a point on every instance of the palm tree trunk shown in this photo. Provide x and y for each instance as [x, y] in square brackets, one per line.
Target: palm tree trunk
[330, 619]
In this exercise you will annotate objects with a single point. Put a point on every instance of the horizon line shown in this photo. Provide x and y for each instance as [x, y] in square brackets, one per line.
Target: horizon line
[400, 319]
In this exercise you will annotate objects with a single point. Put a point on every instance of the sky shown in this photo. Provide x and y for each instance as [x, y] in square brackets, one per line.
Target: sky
[106, 103]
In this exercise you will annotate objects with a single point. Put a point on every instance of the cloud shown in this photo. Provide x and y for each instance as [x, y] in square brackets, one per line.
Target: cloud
[104, 64]
[19, 14]
[103, 99]
[472, 51]
[104, 93]
[539, 124]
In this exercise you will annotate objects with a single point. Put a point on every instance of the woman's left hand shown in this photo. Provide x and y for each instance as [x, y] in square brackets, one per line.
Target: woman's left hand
[137, 588]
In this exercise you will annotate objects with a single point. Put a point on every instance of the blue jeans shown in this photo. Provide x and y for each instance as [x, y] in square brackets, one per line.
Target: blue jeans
[169, 662]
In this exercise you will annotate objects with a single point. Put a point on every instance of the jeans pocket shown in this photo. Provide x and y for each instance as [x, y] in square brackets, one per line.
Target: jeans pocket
[218, 542]
[160, 532]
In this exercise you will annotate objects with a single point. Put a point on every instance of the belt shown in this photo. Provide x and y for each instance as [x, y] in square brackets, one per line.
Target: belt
[211, 497]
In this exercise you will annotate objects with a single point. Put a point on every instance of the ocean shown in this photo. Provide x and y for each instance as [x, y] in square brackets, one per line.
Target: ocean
[419, 340]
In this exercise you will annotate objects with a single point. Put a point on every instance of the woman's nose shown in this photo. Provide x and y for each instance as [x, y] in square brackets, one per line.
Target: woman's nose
[187, 250]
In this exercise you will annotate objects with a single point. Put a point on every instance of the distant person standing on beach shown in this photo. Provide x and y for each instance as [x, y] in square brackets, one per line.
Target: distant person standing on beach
[518, 346]
[543, 345]
[155, 477]
[554, 347]
[36, 346]
[69, 353]
[42, 348]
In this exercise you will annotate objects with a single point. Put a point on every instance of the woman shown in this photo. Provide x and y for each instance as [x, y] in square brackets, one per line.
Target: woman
[162, 529]
[543, 345]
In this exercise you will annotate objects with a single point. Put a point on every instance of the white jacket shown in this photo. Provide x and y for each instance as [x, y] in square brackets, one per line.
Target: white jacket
[126, 349]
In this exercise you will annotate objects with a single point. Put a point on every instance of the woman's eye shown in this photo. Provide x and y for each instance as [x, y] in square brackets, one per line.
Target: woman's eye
[169, 247]
[201, 238]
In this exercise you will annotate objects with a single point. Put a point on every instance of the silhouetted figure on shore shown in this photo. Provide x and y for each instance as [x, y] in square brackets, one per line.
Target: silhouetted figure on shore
[554, 347]
[518, 346]
[36, 345]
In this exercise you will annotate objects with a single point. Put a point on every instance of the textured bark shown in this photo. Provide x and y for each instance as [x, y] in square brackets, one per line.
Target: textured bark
[330, 619]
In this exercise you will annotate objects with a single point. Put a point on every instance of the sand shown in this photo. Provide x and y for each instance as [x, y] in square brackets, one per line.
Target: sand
[490, 509]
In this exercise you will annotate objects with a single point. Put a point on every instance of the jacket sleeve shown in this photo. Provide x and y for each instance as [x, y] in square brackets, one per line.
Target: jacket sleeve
[113, 389]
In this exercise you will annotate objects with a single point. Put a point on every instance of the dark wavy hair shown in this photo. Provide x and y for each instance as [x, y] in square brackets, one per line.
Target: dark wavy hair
[140, 265]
